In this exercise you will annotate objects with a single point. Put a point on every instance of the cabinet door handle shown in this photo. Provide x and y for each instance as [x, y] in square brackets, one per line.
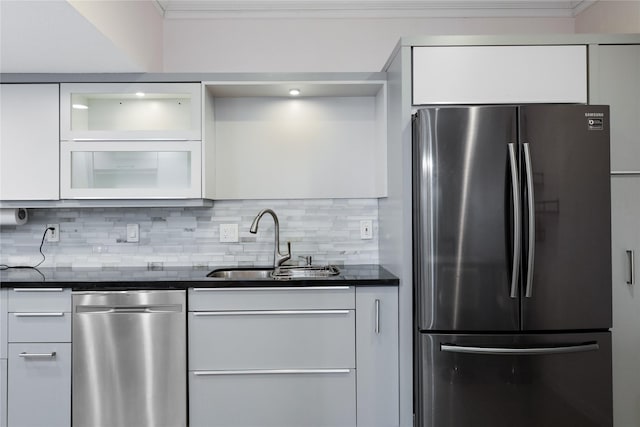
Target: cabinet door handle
[377, 316]
[632, 267]
[272, 372]
[28, 355]
[268, 312]
[38, 314]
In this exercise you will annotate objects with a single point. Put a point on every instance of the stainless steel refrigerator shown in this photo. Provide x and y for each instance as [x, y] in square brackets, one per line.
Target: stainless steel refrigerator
[512, 266]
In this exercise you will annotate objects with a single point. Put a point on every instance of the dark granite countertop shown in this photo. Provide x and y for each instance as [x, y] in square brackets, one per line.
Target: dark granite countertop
[177, 278]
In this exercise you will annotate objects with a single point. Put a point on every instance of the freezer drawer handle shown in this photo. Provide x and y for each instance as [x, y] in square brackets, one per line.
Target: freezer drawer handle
[632, 267]
[29, 355]
[452, 348]
[532, 220]
[515, 186]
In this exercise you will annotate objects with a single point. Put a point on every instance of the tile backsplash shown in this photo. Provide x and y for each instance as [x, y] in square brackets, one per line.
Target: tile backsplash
[327, 229]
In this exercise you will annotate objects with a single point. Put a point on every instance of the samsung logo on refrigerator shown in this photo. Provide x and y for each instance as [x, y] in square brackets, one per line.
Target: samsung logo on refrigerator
[595, 121]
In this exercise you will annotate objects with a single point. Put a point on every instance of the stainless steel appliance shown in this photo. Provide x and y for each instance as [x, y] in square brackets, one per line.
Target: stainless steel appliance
[512, 266]
[129, 359]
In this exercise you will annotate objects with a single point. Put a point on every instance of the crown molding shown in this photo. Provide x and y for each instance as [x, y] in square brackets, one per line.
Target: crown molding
[216, 9]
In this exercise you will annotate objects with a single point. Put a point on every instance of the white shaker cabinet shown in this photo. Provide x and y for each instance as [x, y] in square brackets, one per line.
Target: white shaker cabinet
[499, 74]
[39, 358]
[29, 146]
[615, 82]
[377, 356]
[625, 195]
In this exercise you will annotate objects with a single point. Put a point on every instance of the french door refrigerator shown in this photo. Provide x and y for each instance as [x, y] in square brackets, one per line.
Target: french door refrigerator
[512, 266]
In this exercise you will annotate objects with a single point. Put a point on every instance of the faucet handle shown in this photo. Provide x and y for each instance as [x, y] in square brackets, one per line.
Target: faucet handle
[307, 259]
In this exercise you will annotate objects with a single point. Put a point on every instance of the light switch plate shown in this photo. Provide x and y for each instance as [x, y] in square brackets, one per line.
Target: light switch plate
[133, 233]
[228, 233]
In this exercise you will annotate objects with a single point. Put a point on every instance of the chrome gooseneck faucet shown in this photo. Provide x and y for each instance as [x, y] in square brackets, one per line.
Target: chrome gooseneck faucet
[278, 258]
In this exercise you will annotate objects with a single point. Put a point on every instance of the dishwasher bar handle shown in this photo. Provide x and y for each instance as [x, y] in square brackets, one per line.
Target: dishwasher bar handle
[273, 371]
[452, 348]
[106, 309]
[267, 312]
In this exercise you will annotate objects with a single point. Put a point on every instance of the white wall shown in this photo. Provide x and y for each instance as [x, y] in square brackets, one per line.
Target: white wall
[610, 16]
[320, 45]
[134, 26]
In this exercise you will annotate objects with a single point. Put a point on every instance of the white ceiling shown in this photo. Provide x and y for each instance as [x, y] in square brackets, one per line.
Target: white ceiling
[182, 9]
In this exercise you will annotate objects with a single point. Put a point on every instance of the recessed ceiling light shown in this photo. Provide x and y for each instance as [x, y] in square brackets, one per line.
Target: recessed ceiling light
[80, 107]
[140, 94]
[294, 92]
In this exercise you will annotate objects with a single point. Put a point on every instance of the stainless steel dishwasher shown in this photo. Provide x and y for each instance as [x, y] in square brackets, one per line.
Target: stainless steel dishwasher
[129, 359]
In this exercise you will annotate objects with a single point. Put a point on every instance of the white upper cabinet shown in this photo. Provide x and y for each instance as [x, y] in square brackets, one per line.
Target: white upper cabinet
[499, 74]
[29, 147]
[130, 111]
[327, 142]
[615, 81]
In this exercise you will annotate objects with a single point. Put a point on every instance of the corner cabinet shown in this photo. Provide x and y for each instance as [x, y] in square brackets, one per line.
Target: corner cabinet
[130, 141]
[29, 149]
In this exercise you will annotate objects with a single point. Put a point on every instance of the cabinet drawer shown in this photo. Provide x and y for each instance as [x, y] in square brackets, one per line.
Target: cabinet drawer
[272, 298]
[272, 339]
[33, 300]
[272, 398]
[39, 387]
[39, 327]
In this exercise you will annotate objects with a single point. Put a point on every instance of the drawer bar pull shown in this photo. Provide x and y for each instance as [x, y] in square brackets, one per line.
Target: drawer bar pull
[38, 314]
[273, 371]
[273, 288]
[28, 355]
[267, 312]
[38, 289]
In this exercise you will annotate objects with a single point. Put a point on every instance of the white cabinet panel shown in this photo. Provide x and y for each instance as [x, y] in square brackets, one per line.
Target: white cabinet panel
[272, 339]
[616, 82]
[499, 74]
[377, 356]
[39, 386]
[29, 150]
[39, 327]
[625, 217]
[3, 392]
[272, 399]
[3, 323]
[39, 299]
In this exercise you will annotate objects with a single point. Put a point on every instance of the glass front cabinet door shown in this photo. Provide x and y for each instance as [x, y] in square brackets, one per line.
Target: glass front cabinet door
[130, 140]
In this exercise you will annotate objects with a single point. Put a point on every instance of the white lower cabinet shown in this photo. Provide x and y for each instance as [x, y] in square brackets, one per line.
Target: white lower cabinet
[289, 362]
[39, 385]
[377, 356]
[625, 197]
[39, 358]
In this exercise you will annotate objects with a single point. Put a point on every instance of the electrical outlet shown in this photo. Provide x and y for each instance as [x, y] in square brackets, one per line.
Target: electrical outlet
[133, 233]
[53, 236]
[228, 233]
[366, 229]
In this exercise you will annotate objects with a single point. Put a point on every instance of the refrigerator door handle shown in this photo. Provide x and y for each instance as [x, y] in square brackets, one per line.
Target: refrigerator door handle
[452, 348]
[515, 185]
[532, 220]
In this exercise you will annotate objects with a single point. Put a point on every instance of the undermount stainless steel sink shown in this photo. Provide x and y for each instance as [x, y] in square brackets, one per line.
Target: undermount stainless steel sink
[282, 272]
[306, 272]
[241, 273]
